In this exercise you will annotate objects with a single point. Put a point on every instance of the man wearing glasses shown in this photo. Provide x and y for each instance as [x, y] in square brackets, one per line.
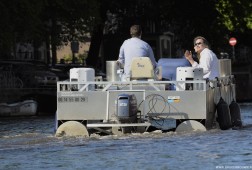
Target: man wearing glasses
[207, 59]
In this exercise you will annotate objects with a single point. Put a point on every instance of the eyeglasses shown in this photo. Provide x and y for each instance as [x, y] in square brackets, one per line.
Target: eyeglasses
[196, 44]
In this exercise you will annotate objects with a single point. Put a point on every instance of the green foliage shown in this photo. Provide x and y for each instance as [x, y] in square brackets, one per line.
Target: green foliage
[235, 15]
[79, 58]
[68, 58]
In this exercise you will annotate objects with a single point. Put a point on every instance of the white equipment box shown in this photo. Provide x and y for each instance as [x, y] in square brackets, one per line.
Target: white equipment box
[82, 75]
[188, 73]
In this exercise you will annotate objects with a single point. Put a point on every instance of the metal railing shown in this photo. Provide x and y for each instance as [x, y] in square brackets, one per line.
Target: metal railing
[132, 85]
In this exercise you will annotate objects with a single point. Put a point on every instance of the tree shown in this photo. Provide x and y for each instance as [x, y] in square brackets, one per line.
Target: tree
[56, 22]
[115, 20]
[19, 23]
[184, 18]
[236, 17]
[69, 21]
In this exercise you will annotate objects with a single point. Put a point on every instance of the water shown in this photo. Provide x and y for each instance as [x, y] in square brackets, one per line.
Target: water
[29, 143]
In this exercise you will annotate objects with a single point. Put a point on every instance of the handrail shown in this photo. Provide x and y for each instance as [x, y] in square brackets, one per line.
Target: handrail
[105, 85]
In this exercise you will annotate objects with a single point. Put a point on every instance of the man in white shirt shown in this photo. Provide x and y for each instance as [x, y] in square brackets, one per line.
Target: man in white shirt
[207, 59]
[134, 47]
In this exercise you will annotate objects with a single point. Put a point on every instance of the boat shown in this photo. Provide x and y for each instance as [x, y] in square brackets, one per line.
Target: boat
[21, 108]
[173, 97]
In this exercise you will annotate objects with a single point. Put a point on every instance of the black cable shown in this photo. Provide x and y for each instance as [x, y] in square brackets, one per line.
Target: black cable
[153, 101]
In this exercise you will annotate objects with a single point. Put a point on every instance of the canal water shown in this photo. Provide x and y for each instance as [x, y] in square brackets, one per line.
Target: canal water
[29, 143]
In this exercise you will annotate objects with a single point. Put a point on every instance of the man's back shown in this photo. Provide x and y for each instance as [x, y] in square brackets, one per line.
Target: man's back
[134, 47]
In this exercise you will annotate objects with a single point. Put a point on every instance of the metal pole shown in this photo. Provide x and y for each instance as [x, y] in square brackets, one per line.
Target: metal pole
[73, 58]
[233, 52]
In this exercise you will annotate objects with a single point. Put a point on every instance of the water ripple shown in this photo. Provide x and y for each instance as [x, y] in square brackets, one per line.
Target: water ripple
[29, 143]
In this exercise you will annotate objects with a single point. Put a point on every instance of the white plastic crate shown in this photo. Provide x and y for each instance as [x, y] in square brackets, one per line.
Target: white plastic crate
[188, 73]
[82, 75]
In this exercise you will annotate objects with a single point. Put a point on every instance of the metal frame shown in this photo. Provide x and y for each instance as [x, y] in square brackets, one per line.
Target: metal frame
[75, 101]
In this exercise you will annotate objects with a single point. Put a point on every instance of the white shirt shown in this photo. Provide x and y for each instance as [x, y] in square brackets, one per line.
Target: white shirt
[134, 47]
[210, 64]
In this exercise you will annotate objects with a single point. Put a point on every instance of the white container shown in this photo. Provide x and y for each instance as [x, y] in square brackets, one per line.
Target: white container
[82, 75]
[225, 67]
[188, 73]
[111, 71]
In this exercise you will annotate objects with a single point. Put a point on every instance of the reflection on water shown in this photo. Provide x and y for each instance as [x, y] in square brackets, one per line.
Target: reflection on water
[29, 143]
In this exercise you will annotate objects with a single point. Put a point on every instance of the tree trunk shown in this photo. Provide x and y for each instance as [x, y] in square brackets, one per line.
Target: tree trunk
[48, 54]
[96, 40]
[54, 54]
[54, 42]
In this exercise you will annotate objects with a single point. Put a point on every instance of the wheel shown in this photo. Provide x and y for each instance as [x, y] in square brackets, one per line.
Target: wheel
[190, 126]
[72, 128]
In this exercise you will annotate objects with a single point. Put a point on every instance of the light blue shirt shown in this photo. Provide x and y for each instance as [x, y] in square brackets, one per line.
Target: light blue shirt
[134, 47]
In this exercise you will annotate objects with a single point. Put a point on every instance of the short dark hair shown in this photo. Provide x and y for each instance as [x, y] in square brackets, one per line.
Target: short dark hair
[203, 39]
[135, 30]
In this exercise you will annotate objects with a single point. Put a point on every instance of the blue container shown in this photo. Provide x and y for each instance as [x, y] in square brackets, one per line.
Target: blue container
[169, 66]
